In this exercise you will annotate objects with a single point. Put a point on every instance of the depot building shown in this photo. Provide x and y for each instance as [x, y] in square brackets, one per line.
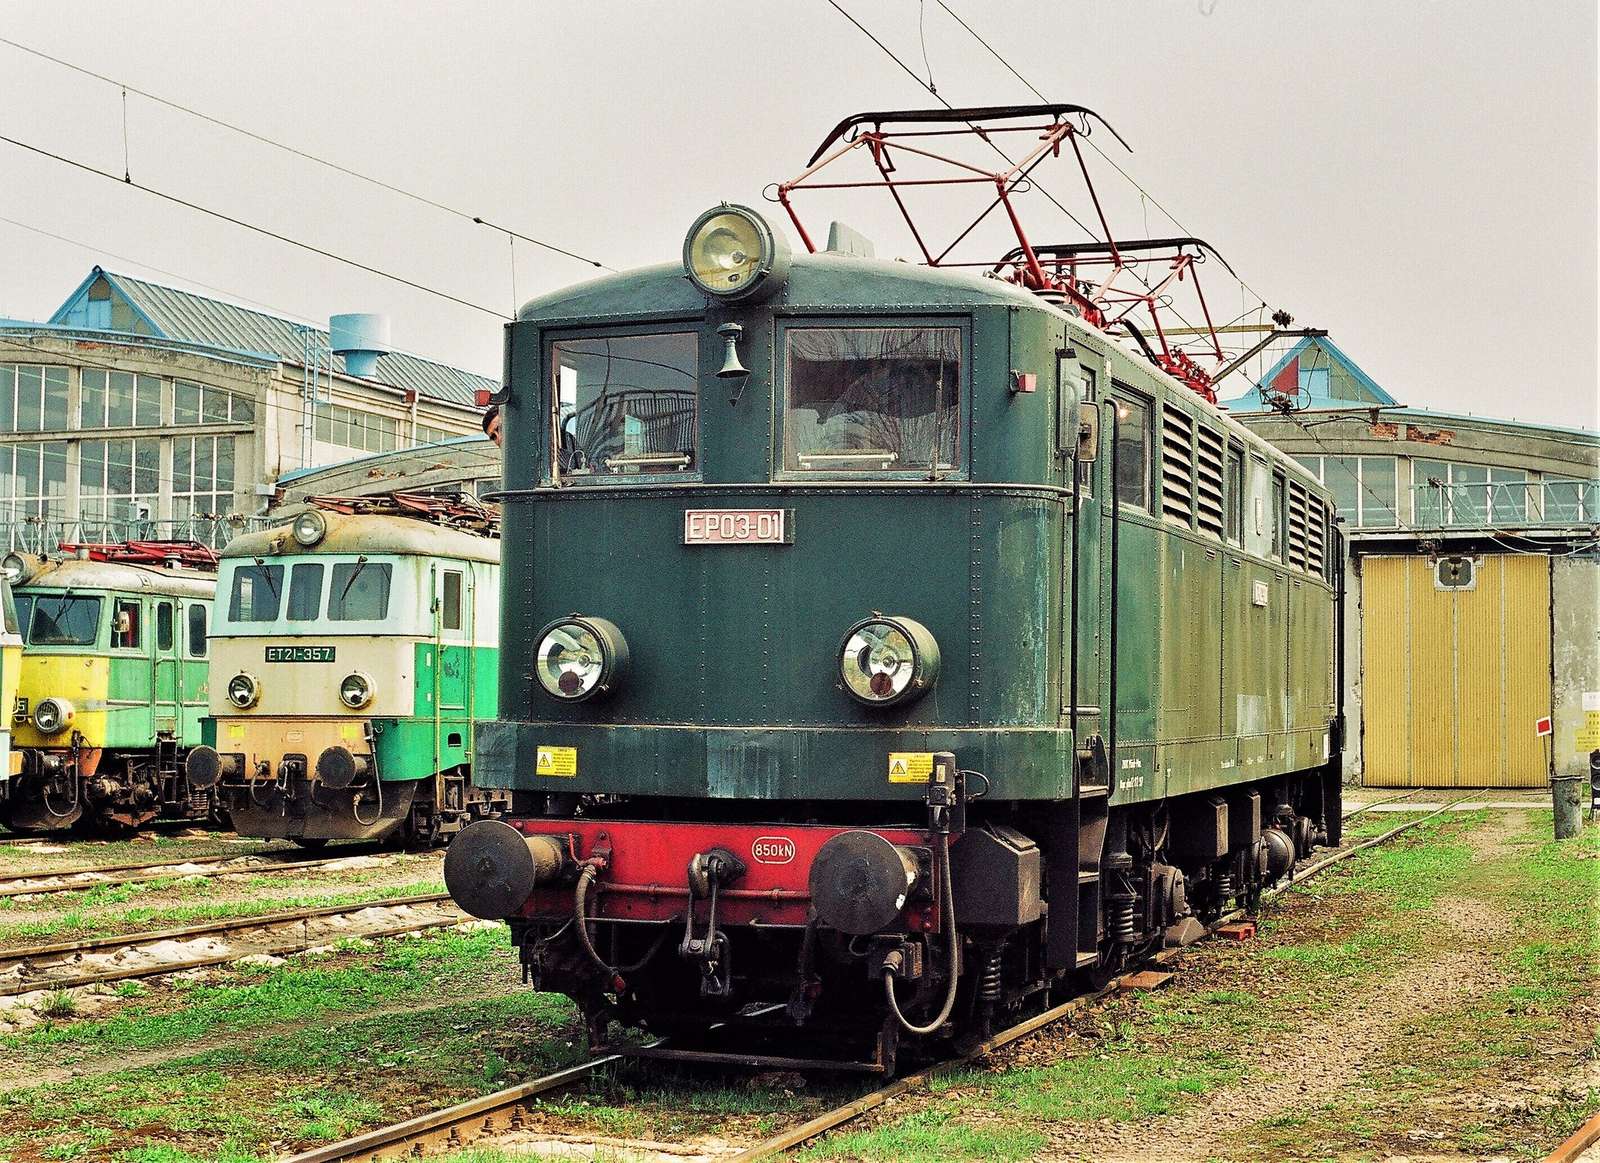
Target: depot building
[1472, 576]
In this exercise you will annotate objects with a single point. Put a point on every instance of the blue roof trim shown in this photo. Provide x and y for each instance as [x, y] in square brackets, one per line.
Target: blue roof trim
[176, 314]
[1252, 400]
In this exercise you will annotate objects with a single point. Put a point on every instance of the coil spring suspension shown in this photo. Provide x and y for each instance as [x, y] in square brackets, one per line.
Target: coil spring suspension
[989, 980]
[1225, 886]
[1121, 918]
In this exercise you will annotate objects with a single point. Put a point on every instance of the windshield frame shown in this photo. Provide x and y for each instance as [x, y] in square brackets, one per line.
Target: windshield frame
[550, 378]
[408, 614]
[874, 322]
[101, 625]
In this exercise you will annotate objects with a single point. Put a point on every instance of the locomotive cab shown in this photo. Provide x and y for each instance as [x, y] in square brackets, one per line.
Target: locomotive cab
[821, 587]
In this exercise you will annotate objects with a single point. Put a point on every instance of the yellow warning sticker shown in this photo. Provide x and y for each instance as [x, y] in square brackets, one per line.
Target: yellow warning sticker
[236, 732]
[910, 766]
[562, 761]
[350, 732]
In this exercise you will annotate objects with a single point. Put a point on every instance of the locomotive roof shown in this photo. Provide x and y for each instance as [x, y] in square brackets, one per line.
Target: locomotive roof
[820, 281]
[370, 533]
[78, 574]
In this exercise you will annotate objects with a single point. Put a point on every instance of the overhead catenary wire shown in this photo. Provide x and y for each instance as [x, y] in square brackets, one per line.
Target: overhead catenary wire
[1038, 185]
[295, 150]
[251, 226]
[1154, 201]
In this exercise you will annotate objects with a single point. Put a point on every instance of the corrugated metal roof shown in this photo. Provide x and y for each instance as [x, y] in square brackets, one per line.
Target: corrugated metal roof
[187, 316]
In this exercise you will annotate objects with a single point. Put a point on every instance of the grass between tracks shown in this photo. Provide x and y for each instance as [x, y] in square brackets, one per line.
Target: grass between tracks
[1107, 1087]
[179, 901]
[257, 1061]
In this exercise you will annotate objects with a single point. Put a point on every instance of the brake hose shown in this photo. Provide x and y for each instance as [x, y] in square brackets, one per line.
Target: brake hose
[580, 906]
[952, 959]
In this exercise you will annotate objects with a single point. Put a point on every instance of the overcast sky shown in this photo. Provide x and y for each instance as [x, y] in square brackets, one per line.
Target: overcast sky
[1420, 179]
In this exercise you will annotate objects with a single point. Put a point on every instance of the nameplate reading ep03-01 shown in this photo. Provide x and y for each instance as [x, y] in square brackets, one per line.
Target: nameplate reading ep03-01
[738, 526]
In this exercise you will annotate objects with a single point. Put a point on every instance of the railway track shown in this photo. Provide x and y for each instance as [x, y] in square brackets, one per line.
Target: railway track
[98, 960]
[43, 882]
[456, 1126]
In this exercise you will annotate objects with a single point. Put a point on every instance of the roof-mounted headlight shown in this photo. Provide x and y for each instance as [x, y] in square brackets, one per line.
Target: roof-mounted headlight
[19, 567]
[888, 660]
[309, 528]
[578, 657]
[732, 252]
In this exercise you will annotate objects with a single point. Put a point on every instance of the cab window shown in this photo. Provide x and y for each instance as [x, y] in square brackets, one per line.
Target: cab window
[197, 631]
[1133, 453]
[8, 608]
[164, 626]
[359, 591]
[872, 399]
[59, 620]
[625, 405]
[305, 591]
[257, 593]
[126, 628]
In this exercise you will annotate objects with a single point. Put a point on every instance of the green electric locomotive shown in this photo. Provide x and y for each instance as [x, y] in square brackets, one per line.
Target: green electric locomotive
[885, 648]
[354, 648]
[112, 685]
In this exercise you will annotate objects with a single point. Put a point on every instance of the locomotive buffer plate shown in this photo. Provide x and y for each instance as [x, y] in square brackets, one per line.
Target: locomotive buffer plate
[738, 526]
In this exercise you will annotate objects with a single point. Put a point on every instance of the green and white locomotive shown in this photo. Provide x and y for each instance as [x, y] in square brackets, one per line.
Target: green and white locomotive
[353, 650]
[113, 684]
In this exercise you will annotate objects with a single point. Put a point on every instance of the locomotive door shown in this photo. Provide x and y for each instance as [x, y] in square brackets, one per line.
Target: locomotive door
[166, 695]
[453, 670]
[1081, 569]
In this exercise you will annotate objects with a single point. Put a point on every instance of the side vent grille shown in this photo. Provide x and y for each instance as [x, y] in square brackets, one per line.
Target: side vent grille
[1208, 482]
[1177, 465]
[1297, 525]
[1316, 532]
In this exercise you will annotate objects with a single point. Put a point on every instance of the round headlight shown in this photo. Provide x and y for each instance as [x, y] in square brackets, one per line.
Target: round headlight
[732, 252]
[244, 691]
[13, 567]
[888, 660]
[310, 527]
[52, 715]
[355, 691]
[578, 657]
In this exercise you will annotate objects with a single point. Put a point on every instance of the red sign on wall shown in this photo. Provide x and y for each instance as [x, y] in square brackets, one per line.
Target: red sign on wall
[1542, 726]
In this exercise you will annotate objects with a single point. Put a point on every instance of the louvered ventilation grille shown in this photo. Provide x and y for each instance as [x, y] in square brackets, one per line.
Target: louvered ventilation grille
[1177, 465]
[1208, 482]
[1316, 559]
[1297, 525]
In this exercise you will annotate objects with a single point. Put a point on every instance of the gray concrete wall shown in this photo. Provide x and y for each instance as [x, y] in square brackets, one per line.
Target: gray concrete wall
[1575, 659]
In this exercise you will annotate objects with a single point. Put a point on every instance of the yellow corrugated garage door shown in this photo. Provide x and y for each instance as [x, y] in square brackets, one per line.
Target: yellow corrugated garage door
[1454, 679]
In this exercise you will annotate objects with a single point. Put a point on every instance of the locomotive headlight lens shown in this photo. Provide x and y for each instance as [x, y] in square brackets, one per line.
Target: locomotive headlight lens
[355, 691]
[244, 691]
[309, 528]
[13, 567]
[52, 715]
[888, 660]
[579, 657]
[732, 252]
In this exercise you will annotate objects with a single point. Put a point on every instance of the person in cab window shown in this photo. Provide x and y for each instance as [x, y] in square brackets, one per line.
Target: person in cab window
[491, 424]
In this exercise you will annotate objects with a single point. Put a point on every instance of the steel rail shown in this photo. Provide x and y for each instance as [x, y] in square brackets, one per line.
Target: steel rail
[12, 886]
[1577, 1143]
[829, 1120]
[20, 985]
[410, 1138]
